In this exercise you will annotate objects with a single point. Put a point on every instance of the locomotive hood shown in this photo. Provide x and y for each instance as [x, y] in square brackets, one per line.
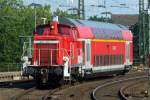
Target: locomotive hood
[98, 30]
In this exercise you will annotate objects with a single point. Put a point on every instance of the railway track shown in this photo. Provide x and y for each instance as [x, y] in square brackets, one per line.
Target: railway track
[37, 94]
[135, 91]
[80, 91]
[114, 86]
[33, 94]
[48, 96]
[83, 91]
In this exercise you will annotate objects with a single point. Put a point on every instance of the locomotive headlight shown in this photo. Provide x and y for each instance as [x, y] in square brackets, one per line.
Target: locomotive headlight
[51, 27]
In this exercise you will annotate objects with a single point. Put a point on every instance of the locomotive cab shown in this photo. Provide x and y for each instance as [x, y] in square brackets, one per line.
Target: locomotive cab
[52, 52]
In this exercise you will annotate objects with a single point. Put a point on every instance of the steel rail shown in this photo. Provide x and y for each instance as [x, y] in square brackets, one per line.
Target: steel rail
[114, 82]
[16, 97]
[51, 92]
[121, 91]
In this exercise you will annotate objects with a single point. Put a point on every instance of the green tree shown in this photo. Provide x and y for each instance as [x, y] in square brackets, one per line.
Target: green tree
[16, 20]
[135, 31]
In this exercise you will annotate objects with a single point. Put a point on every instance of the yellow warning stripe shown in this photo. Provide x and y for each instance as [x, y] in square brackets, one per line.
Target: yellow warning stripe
[102, 40]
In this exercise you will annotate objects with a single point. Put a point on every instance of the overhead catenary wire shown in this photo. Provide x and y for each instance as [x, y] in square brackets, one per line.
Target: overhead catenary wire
[124, 6]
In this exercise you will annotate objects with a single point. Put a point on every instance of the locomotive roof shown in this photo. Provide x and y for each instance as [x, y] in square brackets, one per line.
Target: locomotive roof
[100, 30]
[102, 25]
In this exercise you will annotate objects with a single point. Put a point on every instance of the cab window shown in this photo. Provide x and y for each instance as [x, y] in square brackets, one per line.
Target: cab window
[64, 30]
[40, 30]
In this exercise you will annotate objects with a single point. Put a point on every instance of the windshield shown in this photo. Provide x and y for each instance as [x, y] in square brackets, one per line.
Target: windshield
[64, 30]
[41, 29]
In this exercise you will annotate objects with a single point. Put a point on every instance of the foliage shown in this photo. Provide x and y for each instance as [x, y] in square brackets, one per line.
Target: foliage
[16, 20]
[135, 31]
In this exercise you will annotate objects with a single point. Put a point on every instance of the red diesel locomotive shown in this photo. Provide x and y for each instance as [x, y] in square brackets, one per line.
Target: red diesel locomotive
[65, 49]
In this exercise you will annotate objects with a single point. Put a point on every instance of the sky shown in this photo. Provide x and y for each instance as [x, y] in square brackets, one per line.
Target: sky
[113, 6]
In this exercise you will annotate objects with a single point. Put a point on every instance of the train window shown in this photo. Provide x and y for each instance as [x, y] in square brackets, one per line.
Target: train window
[117, 59]
[101, 60]
[121, 59]
[115, 62]
[40, 29]
[110, 60]
[96, 60]
[64, 30]
[75, 34]
[105, 60]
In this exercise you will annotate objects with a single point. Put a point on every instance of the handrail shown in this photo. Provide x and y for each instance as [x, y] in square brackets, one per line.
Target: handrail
[25, 48]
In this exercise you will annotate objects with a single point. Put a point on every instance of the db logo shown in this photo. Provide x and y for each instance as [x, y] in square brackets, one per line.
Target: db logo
[114, 47]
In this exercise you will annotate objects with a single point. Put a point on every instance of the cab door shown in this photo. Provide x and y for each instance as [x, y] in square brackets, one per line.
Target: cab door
[87, 53]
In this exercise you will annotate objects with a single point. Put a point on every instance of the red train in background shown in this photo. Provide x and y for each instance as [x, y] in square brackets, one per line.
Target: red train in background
[68, 49]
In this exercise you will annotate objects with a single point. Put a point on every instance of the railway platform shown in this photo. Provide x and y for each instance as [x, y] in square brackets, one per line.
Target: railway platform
[10, 76]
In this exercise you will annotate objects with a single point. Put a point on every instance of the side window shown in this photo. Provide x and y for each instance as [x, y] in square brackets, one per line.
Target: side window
[105, 60]
[110, 60]
[96, 60]
[101, 60]
[74, 33]
[114, 59]
[118, 59]
[121, 59]
[40, 29]
[64, 30]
